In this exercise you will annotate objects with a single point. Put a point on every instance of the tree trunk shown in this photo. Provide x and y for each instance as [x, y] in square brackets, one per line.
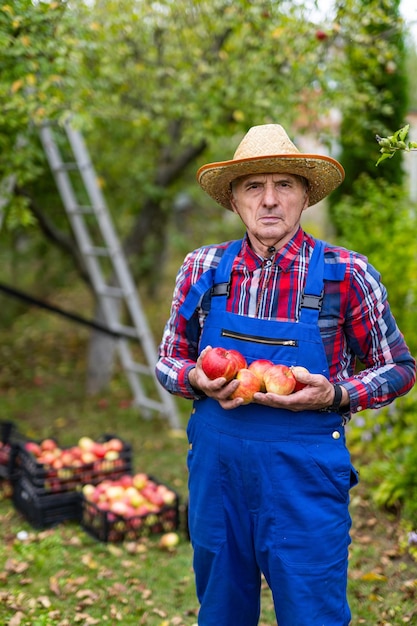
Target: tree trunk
[100, 355]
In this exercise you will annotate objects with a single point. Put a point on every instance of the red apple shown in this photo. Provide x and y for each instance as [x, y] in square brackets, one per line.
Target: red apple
[114, 444]
[296, 370]
[166, 494]
[87, 458]
[46, 458]
[76, 452]
[321, 35]
[33, 448]
[126, 481]
[259, 367]
[238, 357]
[98, 449]
[119, 508]
[249, 384]
[48, 444]
[220, 362]
[139, 480]
[67, 458]
[279, 379]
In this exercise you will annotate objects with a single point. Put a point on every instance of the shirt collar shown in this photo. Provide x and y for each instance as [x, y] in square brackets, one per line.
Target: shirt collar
[284, 257]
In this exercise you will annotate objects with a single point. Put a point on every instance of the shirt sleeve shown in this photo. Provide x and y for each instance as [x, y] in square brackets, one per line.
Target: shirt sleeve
[372, 334]
[178, 350]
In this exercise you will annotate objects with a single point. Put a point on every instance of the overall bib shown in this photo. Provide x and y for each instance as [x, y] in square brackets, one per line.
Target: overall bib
[269, 488]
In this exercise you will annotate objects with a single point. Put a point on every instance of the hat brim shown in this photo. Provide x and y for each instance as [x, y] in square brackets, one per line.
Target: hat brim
[323, 173]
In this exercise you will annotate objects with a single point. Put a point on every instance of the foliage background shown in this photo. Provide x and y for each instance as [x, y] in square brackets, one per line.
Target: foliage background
[157, 89]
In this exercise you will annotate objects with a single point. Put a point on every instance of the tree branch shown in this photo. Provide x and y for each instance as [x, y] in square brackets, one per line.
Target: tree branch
[55, 235]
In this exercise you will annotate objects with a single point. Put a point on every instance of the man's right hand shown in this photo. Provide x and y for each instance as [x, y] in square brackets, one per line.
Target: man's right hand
[218, 389]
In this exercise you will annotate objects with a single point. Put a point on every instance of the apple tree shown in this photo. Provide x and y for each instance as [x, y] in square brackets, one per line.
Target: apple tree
[153, 87]
[376, 62]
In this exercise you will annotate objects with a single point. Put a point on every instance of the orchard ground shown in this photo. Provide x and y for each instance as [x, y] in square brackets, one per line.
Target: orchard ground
[63, 576]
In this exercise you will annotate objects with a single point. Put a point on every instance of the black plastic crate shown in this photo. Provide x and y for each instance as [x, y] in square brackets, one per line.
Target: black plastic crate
[44, 511]
[5, 459]
[108, 526]
[48, 479]
[9, 437]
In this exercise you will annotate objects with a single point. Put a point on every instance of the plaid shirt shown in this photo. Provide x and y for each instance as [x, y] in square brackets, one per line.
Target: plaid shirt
[355, 321]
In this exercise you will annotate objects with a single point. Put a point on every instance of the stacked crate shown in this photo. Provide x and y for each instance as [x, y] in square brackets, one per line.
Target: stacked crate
[129, 508]
[47, 479]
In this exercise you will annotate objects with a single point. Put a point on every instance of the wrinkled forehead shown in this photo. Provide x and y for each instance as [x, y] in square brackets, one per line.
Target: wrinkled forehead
[274, 177]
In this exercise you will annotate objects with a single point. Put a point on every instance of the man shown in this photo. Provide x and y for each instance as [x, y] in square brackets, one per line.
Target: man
[269, 481]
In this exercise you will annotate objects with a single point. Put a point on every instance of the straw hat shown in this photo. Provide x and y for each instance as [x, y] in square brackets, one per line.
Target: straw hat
[268, 149]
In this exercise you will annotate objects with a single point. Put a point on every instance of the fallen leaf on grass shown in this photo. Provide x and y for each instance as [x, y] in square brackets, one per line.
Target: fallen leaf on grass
[54, 585]
[86, 593]
[118, 590]
[373, 576]
[16, 567]
[114, 550]
[86, 619]
[44, 601]
[409, 587]
[88, 560]
[16, 620]
[115, 614]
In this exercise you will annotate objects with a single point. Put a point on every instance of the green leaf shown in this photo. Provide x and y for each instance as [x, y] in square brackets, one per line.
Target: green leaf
[403, 132]
[384, 156]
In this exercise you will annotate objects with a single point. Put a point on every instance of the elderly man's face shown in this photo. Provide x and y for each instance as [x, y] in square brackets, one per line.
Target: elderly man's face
[270, 206]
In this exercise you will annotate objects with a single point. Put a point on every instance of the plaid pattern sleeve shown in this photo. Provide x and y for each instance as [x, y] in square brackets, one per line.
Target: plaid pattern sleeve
[178, 350]
[356, 323]
[367, 333]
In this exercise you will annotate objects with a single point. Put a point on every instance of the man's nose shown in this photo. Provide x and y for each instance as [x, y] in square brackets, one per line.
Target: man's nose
[270, 195]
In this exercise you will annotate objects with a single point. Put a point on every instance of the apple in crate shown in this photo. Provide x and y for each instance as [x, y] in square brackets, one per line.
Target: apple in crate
[279, 379]
[220, 362]
[146, 497]
[249, 384]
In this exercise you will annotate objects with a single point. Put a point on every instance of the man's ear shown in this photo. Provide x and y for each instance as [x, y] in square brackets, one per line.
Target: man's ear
[233, 202]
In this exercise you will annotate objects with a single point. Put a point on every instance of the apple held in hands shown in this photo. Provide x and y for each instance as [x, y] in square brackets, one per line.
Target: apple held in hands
[220, 362]
[279, 379]
[259, 367]
[249, 384]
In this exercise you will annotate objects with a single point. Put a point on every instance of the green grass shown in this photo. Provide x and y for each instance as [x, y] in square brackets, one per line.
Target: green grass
[62, 576]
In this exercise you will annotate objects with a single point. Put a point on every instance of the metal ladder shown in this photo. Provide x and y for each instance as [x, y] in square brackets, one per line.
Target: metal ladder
[110, 298]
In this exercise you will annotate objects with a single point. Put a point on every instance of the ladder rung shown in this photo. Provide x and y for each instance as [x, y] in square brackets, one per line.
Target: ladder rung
[110, 292]
[94, 251]
[66, 167]
[150, 404]
[139, 368]
[125, 330]
[81, 210]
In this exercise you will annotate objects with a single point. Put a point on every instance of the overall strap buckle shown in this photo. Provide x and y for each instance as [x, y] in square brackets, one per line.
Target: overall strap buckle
[310, 301]
[221, 289]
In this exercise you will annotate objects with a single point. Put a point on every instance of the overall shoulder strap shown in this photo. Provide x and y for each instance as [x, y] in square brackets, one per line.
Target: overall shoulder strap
[312, 296]
[318, 272]
[215, 279]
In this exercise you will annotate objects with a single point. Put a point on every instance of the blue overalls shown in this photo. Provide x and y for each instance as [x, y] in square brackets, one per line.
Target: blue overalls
[269, 488]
